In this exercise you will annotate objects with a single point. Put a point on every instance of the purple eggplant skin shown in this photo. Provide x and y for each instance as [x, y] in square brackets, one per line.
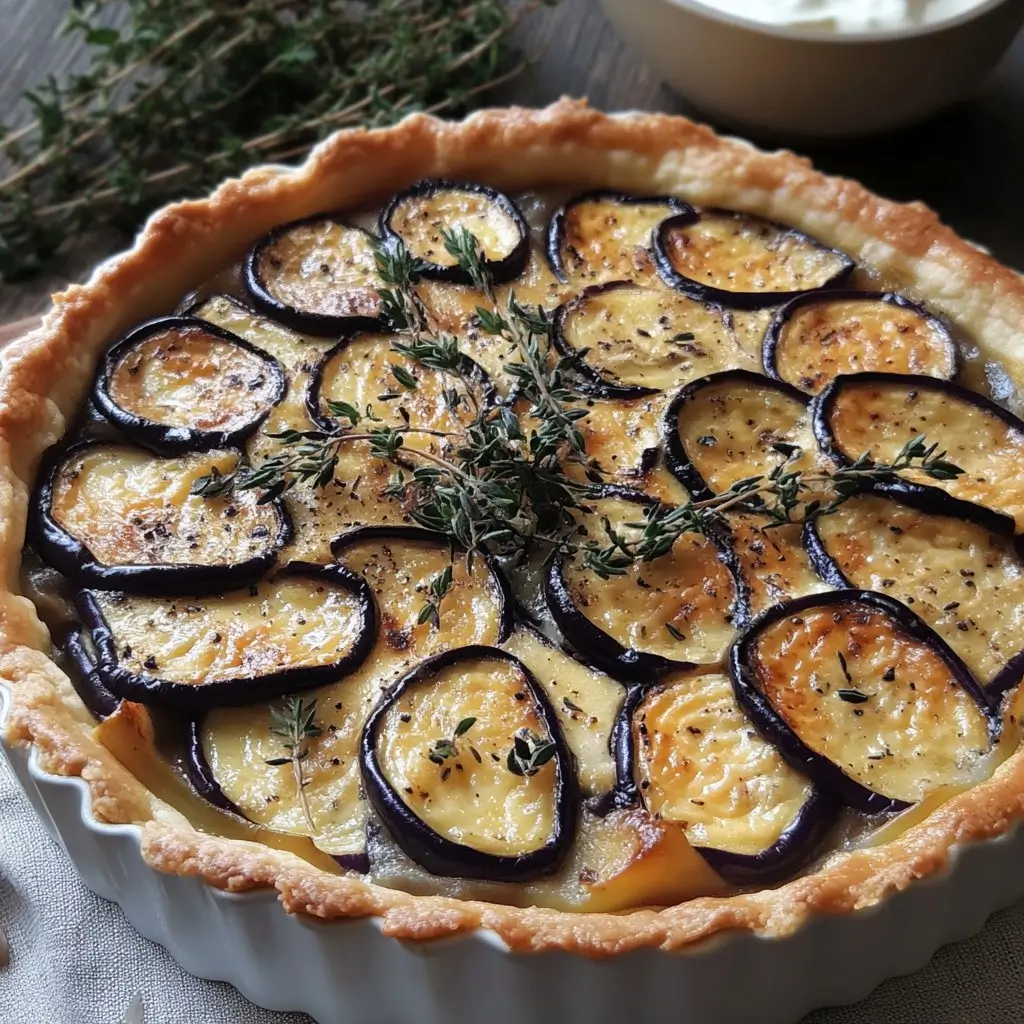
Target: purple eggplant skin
[86, 678]
[442, 856]
[829, 572]
[201, 778]
[233, 692]
[158, 437]
[594, 647]
[921, 496]
[319, 325]
[773, 335]
[676, 457]
[738, 300]
[773, 728]
[778, 862]
[681, 210]
[506, 601]
[468, 368]
[73, 558]
[500, 271]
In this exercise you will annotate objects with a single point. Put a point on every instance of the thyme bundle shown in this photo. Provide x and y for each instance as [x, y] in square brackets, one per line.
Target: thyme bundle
[188, 92]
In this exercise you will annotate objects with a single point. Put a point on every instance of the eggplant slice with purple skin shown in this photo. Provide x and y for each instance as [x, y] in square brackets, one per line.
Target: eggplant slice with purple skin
[465, 763]
[307, 625]
[633, 341]
[741, 261]
[864, 697]
[723, 428]
[85, 676]
[816, 337]
[676, 611]
[418, 216]
[317, 276]
[686, 752]
[878, 413]
[603, 236]
[180, 384]
[964, 579]
[365, 370]
[117, 517]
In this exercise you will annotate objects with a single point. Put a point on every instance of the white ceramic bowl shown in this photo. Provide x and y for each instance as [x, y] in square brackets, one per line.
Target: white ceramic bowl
[815, 84]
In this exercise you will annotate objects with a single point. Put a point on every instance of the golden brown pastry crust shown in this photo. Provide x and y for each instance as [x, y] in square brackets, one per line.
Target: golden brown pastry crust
[46, 375]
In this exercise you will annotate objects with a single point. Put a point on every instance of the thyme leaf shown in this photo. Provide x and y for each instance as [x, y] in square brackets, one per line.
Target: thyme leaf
[293, 722]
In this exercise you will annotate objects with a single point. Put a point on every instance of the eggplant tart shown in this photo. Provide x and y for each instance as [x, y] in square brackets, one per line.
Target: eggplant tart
[587, 528]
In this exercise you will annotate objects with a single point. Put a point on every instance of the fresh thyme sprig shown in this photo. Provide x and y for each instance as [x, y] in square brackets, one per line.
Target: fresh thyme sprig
[442, 749]
[294, 723]
[187, 92]
[436, 590]
[529, 753]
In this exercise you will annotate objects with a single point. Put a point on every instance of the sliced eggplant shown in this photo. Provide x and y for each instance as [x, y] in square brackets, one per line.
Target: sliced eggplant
[860, 694]
[773, 561]
[305, 626]
[677, 611]
[606, 236]
[365, 371]
[634, 341]
[816, 337]
[113, 516]
[399, 564]
[744, 262]
[465, 763]
[420, 215]
[687, 751]
[587, 702]
[85, 676]
[878, 413]
[964, 580]
[317, 276]
[622, 436]
[723, 428]
[180, 384]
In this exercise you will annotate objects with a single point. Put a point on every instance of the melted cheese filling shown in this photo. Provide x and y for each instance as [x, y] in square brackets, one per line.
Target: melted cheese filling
[188, 378]
[965, 582]
[823, 340]
[700, 762]
[420, 221]
[728, 429]
[283, 623]
[132, 508]
[651, 337]
[894, 719]
[324, 268]
[746, 254]
[880, 418]
[470, 798]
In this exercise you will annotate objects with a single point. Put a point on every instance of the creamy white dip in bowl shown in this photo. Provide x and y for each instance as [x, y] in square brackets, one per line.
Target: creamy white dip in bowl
[820, 69]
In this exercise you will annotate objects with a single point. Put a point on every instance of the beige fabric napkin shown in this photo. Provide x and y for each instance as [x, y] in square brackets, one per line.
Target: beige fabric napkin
[74, 959]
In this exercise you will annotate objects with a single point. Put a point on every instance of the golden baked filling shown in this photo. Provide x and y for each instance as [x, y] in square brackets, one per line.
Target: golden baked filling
[589, 551]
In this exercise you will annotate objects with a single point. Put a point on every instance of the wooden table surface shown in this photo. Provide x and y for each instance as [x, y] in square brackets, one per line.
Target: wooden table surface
[968, 164]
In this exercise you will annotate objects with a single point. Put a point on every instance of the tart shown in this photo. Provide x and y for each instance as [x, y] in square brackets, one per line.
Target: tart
[586, 528]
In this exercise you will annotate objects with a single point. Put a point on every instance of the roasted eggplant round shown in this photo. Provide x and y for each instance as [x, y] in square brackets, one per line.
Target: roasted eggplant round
[963, 579]
[465, 763]
[677, 611]
[603, 236]
[860, 694]
[366, 371]
[318, 276]
[633, 341]
[420, 215]
[306, 625]
[112, 516]
[85, 676]
[816, 337]
[744, 262]
[180, 384]
[686, 751]
[724, 428]
[878, 413]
